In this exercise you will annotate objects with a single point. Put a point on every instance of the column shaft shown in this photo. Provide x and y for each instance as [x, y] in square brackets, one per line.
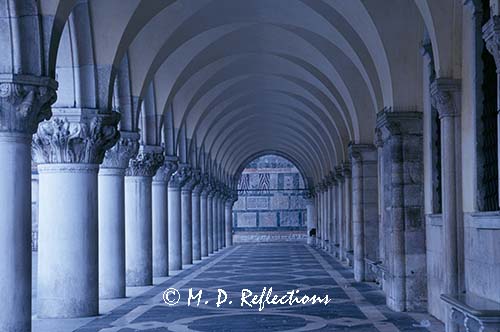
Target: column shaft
[160, 227]
[215, 223]
[222, 223]
[15, 232]
[204, 224]
[357, 221]
[174, 229]
[138, 231]
[68, 241]
[187, 230]
[210, 224]
[196, 218]
[229, 223]
[111, 233]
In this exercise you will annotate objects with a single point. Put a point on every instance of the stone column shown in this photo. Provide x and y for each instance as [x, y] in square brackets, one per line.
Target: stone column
[196, 217]
[24, 102]
[491, 36]
[233, 197]
[446, 99]
[69, 151]
[364, 207]
[204, 216]
[330, 216]
[405, 282]
[215, 220]
[319, 214]
[175, 184]
[384, 244]
[187, 221]
[222, 222]
[111, 209]
[340, 211]
[346, 173]
[325, 220]
[160, 216]
[210, 220]
[311, 220]
[138, 215]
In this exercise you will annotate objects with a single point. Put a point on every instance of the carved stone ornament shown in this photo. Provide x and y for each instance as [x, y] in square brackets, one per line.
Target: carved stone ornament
[59, 141]
[205, 183]
[193, 180]
[146, 163]
[443, 97]
[166, 170]
[180, 177]
[25, 102]
[120, 154]
[346, 170]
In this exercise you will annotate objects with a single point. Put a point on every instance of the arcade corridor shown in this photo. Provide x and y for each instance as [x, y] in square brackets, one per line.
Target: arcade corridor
[356, 307]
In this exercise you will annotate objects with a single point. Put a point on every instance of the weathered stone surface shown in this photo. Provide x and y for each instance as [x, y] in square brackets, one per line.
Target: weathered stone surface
[85, 141]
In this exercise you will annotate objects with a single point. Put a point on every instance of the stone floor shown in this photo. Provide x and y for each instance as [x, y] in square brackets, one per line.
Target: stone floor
[357, 307]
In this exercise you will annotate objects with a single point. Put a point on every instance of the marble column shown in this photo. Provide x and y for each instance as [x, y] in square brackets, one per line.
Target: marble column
[445, 94]
[364, 206]
[311, 219]
[319, 200]
[329, 216]
[210, 220]
[222, 222]
[204, 216]
[160, 216]
[332, 215]
[69, 151]
[196, 217]
[324, 215]
[187, 217]
[346, 173]
[24, 102]
[339, 200]
[177, 181]
[111, 209]
[233, 197]
[405, 282]
[138, 215]
[215, 220]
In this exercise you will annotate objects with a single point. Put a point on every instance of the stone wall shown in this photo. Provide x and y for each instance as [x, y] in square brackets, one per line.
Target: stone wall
[270, 201]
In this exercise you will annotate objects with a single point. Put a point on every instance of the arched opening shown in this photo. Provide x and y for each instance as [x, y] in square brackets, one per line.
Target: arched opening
[271, 202]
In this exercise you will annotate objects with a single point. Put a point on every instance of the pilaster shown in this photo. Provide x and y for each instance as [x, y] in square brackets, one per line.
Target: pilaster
[364, 208]
[401, 134]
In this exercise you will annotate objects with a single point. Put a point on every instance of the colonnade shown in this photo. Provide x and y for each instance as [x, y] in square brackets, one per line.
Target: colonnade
[382, 239]
[112, 213]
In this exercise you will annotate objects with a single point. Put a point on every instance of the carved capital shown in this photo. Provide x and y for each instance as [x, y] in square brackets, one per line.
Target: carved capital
[205, 184]
[491, 36]
[346, 170]
[179, 178]
[193, 180]
[60, 141]
[147, 162]
[445, 97]
[166, 170]
[25, 102]
[359, 153]
[120, 154]
[339, 176]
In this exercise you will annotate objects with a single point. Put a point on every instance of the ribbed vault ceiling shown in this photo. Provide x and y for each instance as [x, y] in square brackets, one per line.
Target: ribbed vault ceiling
[220, 82]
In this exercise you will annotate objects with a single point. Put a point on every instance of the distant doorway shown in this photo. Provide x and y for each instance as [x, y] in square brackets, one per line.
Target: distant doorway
[271, 202]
